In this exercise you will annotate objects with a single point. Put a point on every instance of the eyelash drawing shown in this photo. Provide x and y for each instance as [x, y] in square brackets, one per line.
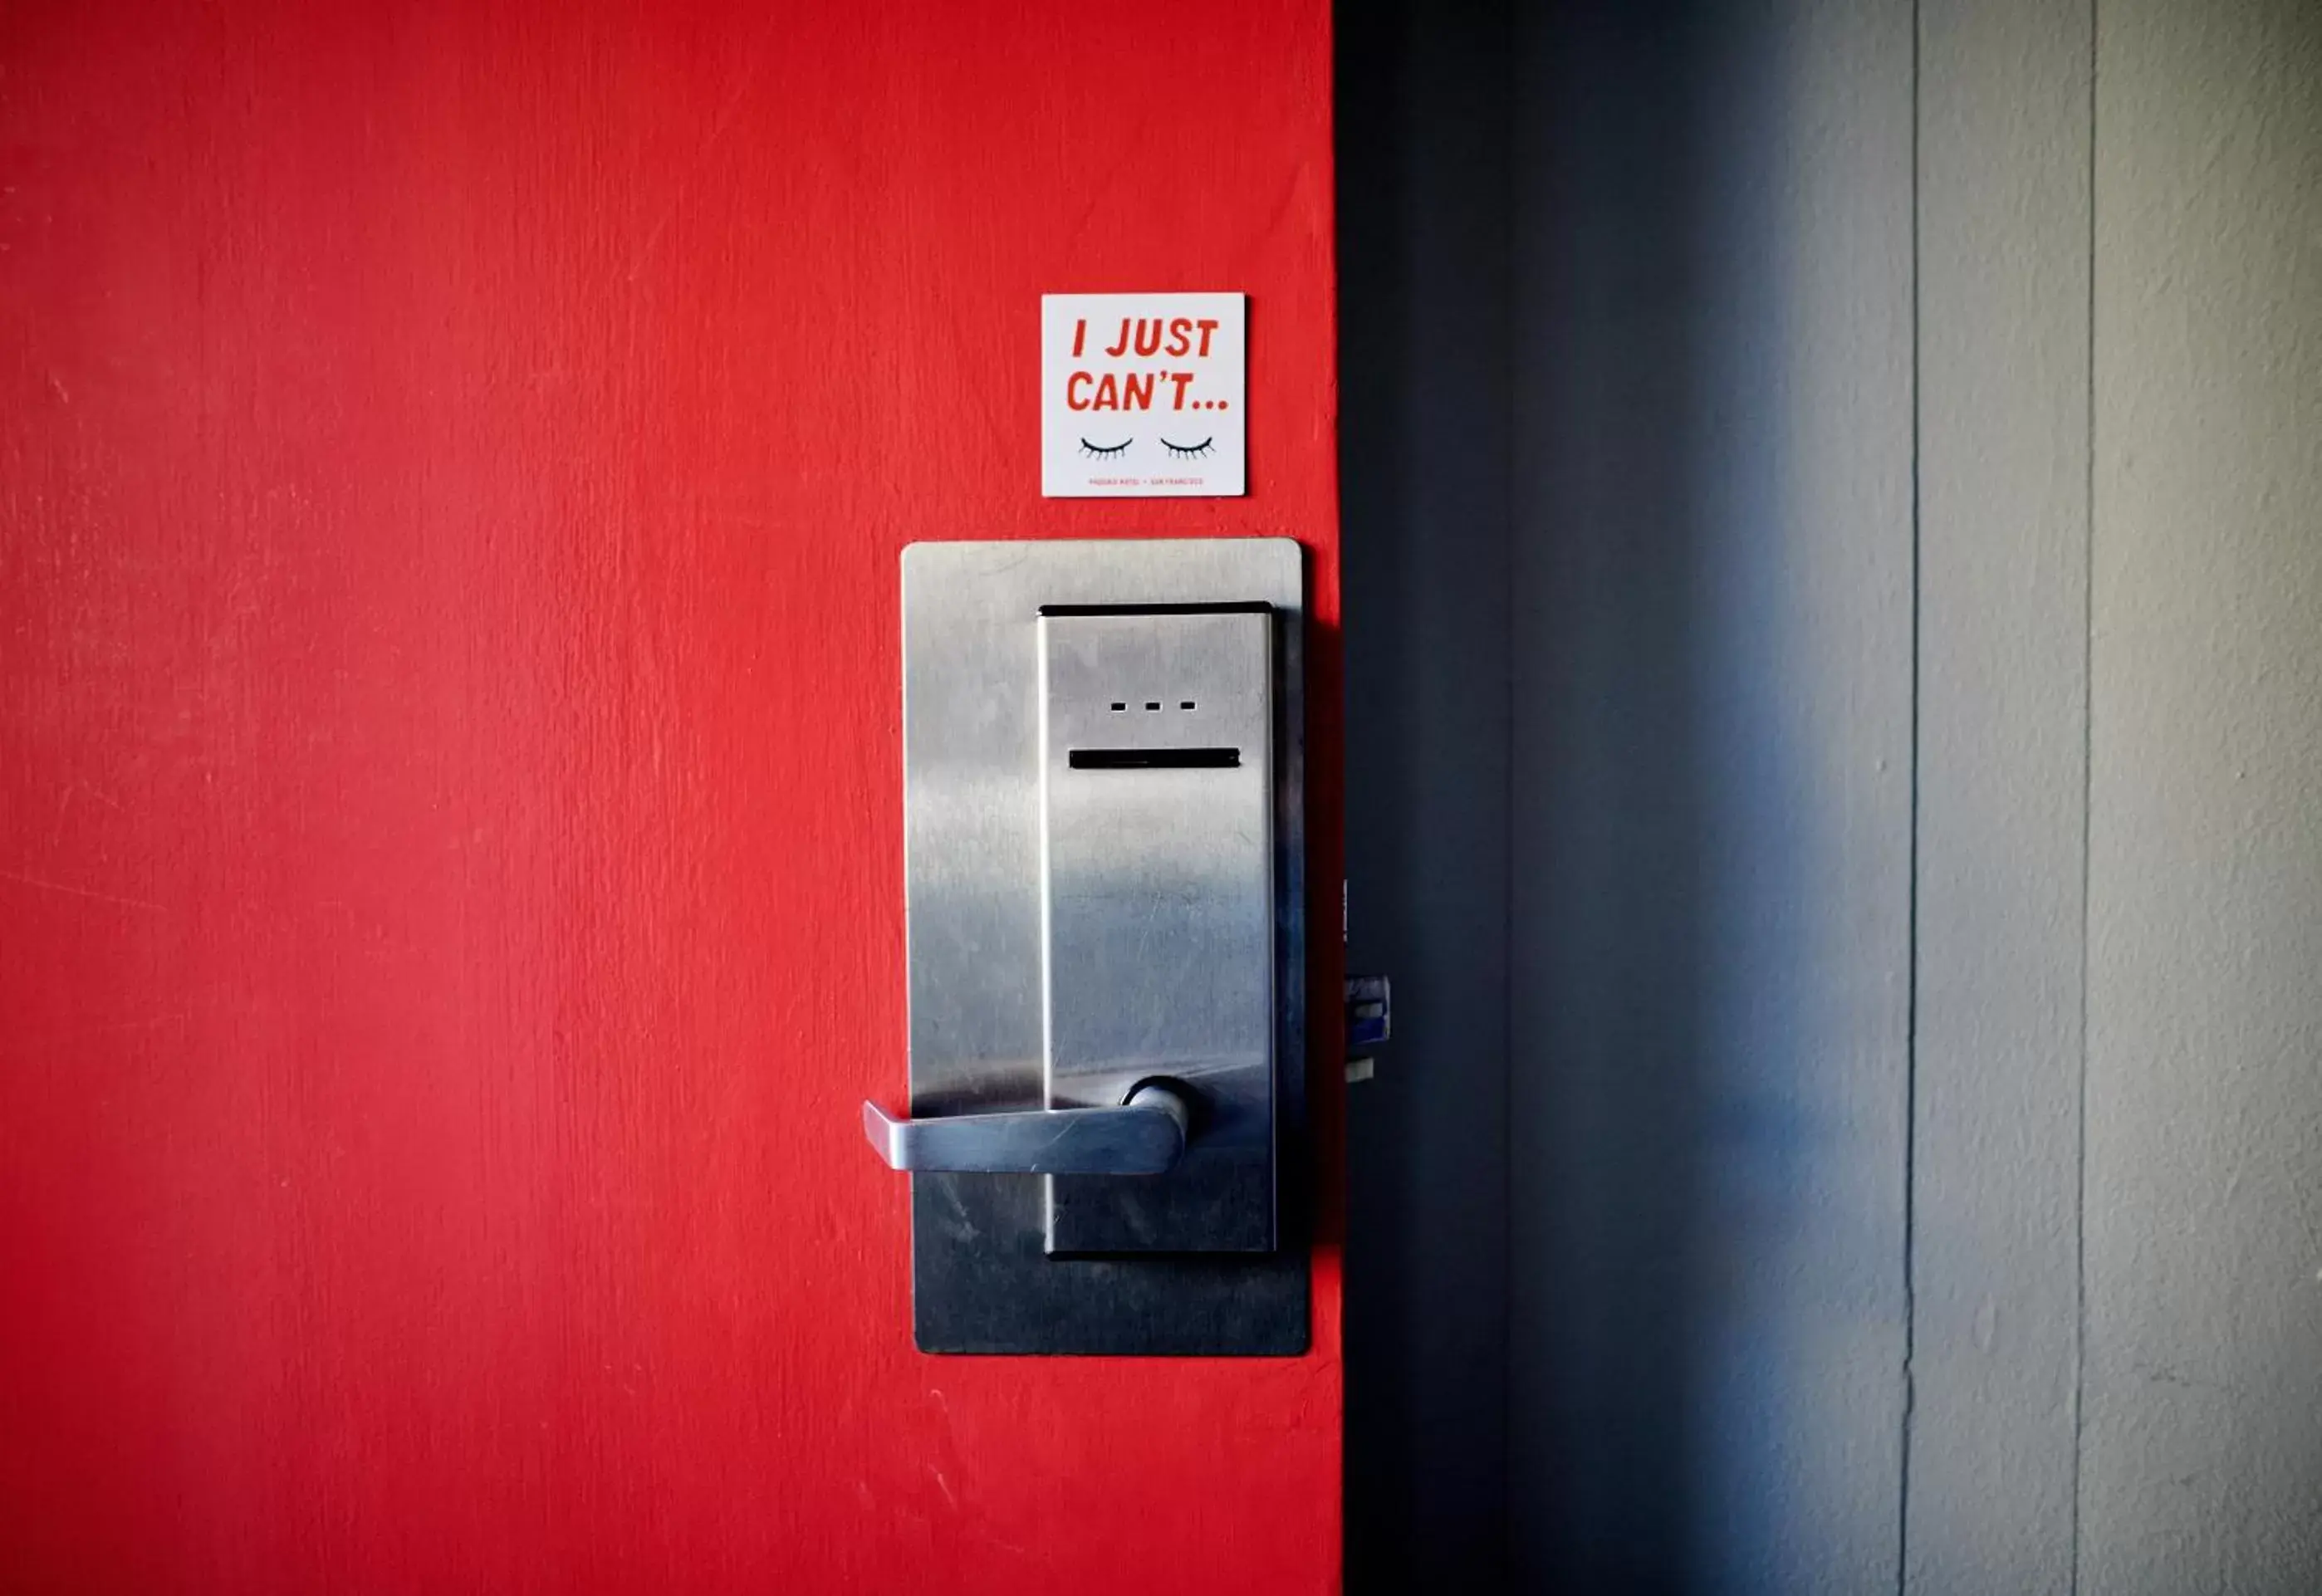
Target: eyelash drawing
[1188, 451]
[1104, 450]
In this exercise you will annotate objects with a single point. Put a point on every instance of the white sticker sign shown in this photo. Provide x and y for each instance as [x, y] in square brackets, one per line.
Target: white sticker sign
[1141, 396]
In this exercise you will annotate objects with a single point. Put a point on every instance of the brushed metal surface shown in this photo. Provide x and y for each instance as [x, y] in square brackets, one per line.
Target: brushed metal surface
[1145, 1135]
[1157, 855]
[983, 1277]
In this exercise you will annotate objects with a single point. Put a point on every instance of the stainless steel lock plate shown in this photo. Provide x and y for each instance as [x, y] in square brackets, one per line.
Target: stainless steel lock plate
[1157, 859]
[1105, 887]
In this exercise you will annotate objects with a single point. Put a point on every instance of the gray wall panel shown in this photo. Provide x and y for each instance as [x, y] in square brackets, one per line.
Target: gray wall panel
[2003, 265]
[1897, 752]
[2202, 1468]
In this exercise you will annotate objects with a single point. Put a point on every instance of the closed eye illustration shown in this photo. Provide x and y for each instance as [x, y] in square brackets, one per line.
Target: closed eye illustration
[1188, 451]
[1105, 450]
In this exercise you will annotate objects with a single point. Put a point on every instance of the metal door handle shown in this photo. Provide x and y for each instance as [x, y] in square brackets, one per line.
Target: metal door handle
[1146, 1136]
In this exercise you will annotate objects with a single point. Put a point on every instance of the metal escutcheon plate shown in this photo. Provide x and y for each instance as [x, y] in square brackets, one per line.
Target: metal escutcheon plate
[984, 1277]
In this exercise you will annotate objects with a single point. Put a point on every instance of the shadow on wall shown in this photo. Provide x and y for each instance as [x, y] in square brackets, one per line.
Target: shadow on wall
[1584, 806]
[1607, 1093]
[1710, 944]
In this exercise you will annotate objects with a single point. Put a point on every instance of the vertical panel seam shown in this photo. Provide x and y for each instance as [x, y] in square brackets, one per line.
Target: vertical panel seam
[2088, 790]
[1911, 896]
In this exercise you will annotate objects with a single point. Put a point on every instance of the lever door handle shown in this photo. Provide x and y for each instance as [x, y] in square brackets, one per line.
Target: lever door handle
[1146, 1136]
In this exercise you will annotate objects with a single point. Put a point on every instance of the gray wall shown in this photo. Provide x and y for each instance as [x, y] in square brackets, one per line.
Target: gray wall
[2201, 1450]
[1834, 602]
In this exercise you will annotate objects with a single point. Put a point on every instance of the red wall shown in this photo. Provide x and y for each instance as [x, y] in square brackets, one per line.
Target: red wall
[452, 463]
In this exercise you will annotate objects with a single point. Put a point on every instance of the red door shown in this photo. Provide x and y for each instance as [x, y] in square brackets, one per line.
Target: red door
[452, 470]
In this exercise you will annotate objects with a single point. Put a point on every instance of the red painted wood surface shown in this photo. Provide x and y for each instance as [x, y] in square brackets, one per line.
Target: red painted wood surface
[453, 464]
